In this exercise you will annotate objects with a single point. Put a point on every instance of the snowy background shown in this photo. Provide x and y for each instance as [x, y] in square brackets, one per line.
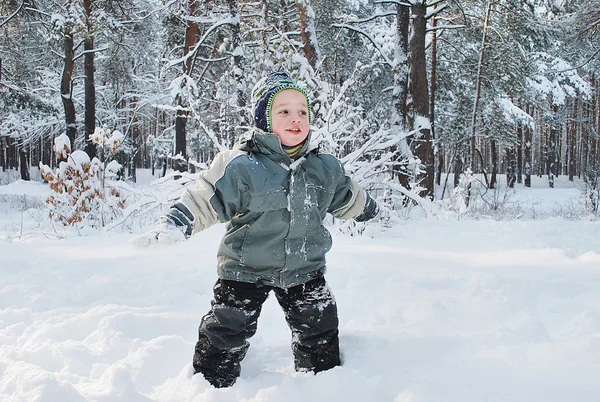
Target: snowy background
[433, 309]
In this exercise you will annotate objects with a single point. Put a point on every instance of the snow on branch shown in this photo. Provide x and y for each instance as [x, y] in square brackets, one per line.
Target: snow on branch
[586, 61]
[371, 18]
[366, 35]
[440, 27]
[396, 2]
[513, 113]
[89, 51]
[436, 2]
[557, 79]
[435, 11]
[215, 26]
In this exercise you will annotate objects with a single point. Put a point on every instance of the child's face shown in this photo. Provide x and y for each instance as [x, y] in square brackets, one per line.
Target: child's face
[289, 117]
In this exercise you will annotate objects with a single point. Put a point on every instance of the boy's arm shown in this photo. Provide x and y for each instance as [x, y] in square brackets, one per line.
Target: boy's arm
[216, 197]
[352, 201]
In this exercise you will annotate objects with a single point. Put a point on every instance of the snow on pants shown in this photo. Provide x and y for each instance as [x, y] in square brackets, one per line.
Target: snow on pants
[310, 311]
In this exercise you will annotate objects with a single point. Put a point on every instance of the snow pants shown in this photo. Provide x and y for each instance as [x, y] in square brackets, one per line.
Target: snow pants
[310, 311]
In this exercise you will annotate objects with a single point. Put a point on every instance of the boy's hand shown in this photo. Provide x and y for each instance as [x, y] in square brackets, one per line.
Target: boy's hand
[166, 233]
[176, 225]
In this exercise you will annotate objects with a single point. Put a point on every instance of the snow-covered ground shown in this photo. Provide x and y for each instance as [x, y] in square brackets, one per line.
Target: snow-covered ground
[431, 310]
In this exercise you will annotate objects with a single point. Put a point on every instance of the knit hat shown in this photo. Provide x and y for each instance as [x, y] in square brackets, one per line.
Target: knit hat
[263, 94]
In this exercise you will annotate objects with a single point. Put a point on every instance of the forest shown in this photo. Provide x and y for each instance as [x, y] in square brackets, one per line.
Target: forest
[403, 91]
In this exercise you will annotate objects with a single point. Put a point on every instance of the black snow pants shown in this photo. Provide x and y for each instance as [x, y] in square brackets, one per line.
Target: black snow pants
[310, 311]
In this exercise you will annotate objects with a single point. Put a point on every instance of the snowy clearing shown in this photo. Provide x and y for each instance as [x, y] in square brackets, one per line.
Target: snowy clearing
[431, 310]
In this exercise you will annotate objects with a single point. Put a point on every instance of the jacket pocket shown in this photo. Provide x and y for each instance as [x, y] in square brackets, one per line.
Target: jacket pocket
[273, 200]
[232, 245]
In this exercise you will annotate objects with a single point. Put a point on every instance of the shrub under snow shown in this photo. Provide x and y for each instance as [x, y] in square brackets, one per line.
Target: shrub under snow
[83, 189]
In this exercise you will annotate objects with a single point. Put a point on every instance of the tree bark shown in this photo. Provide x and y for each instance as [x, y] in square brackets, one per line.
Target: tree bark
[432, 91]
[307, 32]
[552, 148]
[494, 161]
[572, 140]
[511, 167]
[24, 163]
[238, 66]
[66, 89]
[191, 30]
[3, 159]
[478, 84]
[419, 92]
[458, 167]
[400, 93]
[90, 85]
[519, 168]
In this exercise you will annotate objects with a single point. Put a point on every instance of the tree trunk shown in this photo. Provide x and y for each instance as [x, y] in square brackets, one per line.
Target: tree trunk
[400, 95]
[66, 89]
[527, 157]
[90, 85]
[572, 140]
[478, 84]
[458, 167]
[511, 167]
[552, 161]
[24, 163]
[238, 68]
[180, 161]
[593, 110]
[432, 91]
[3, 153]
[419, 92]
[494, 157]
[191, 30]
[307, 32]
[519, 167]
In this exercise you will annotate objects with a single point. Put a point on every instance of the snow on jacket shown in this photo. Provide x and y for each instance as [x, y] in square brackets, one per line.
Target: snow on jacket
[274, 208]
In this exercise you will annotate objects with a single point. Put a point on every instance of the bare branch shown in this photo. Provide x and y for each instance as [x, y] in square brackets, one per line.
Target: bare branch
[10, 17]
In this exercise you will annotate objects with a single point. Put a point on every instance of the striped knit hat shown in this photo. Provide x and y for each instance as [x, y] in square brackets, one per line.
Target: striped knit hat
[263, 94]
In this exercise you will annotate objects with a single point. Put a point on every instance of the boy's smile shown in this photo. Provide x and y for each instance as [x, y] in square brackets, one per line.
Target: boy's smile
[289, 117]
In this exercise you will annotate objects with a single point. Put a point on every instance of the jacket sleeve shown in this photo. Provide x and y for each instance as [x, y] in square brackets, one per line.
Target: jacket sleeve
[352, 201]
[216, 197]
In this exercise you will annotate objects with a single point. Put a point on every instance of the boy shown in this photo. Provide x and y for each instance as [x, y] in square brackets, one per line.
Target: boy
[274, 191]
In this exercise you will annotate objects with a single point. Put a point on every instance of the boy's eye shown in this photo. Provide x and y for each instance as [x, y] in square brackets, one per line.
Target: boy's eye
[283, 111]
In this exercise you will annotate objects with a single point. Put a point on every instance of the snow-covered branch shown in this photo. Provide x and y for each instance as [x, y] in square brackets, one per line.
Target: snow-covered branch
[366, 35]
[435, 11]
[371, 18]
[192, 53]
[396, 2]
[89, 51]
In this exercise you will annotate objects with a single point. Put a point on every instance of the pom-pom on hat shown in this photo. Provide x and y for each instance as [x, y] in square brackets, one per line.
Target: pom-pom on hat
[263, 94]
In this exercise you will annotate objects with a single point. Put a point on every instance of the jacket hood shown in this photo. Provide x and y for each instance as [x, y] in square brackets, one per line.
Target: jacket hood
[257, 140]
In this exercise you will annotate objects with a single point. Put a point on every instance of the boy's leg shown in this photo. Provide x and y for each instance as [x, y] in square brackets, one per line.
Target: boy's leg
[223, 333]
[311, 313]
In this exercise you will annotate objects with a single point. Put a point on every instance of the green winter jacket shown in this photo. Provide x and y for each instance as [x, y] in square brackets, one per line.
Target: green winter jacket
[274, 208]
